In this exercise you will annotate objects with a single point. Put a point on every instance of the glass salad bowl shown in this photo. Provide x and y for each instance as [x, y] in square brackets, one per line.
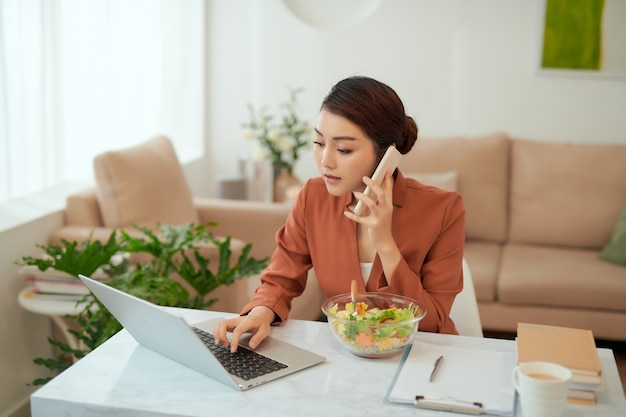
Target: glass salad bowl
[384, 324]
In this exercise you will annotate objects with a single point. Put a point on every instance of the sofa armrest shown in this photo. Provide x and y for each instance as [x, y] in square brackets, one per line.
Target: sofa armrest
[250, 221]
[79, 233]
[82, 233]
[82, 209]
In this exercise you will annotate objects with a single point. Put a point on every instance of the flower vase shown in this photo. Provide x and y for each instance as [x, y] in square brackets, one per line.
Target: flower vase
[286, 187]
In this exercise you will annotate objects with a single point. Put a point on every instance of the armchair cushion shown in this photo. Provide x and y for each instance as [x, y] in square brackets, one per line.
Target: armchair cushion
[143, 184]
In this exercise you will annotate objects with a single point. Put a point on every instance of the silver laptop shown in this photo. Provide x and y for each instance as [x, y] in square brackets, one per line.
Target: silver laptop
[171, 336]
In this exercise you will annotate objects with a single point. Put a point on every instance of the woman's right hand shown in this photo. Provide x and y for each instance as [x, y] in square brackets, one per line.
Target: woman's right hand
[257, 322]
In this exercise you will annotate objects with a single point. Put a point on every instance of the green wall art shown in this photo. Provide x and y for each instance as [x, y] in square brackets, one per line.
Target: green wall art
[585, 35]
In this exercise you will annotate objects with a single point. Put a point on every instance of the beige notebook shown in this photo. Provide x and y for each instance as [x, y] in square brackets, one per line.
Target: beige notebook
[569, 347]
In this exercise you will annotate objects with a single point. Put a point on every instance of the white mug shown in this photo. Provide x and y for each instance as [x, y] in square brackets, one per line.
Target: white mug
[542, 388]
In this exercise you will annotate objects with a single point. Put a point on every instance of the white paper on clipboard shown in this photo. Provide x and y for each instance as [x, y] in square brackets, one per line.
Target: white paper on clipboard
[465, 376]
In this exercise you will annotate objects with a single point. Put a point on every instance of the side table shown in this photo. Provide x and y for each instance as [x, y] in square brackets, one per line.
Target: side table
[56, 309]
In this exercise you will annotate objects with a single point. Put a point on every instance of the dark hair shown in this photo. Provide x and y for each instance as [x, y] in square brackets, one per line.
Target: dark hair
[376, 109]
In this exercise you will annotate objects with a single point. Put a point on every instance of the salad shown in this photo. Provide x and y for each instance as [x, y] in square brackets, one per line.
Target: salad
[372, 330]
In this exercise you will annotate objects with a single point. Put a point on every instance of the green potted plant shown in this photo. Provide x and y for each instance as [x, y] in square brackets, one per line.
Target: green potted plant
[175, 257]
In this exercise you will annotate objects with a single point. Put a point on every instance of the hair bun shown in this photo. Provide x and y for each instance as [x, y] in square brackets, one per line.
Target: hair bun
[409, 136]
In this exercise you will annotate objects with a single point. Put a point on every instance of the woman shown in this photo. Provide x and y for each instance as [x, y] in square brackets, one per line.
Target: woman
[409, 241]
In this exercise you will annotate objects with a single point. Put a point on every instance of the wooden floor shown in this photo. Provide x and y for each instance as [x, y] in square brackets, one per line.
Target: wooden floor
[619, 351]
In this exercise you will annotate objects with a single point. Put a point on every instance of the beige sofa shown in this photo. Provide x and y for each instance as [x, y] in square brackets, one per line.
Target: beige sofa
[538, 216]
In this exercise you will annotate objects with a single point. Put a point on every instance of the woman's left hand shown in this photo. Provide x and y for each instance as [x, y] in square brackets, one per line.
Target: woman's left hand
[379, 213]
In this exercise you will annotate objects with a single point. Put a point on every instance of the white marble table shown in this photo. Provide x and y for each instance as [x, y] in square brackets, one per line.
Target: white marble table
[121, 378]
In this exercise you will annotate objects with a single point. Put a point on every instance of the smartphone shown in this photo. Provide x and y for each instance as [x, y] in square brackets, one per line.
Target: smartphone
[389, 162]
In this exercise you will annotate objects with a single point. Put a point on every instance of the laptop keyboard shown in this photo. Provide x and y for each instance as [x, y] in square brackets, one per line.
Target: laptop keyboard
[244, 363]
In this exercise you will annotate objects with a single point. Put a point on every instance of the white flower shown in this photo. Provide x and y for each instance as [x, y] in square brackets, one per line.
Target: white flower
[118, 258]
[285, 144]
[273, 135]
[259, 154]
[249, 134]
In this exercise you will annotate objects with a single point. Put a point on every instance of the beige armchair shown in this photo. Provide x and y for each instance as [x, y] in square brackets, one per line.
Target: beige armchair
[145, 185]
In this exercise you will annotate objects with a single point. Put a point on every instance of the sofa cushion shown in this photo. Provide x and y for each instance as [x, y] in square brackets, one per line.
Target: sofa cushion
[566, 194]
[445, 180]
[143, 184]
[615, 250]
[560, 277]
[482, 164]
[483, 260]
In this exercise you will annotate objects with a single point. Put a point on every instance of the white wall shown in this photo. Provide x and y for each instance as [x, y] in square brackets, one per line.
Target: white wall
[462, 68]
[22, 334]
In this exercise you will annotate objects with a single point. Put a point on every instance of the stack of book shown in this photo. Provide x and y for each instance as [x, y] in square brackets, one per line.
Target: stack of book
[573, 348]
[52, 285]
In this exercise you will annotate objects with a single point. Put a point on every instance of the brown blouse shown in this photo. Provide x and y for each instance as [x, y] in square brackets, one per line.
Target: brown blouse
[428, 226]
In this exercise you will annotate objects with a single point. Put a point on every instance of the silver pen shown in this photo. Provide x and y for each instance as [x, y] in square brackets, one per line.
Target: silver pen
[437, 363]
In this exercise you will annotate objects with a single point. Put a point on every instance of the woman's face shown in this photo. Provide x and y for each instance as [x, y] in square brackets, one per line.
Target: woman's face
[343, 154]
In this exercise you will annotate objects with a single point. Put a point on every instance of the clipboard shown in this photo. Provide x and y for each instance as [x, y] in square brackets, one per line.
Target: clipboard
[469, 380]
[449, 404]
